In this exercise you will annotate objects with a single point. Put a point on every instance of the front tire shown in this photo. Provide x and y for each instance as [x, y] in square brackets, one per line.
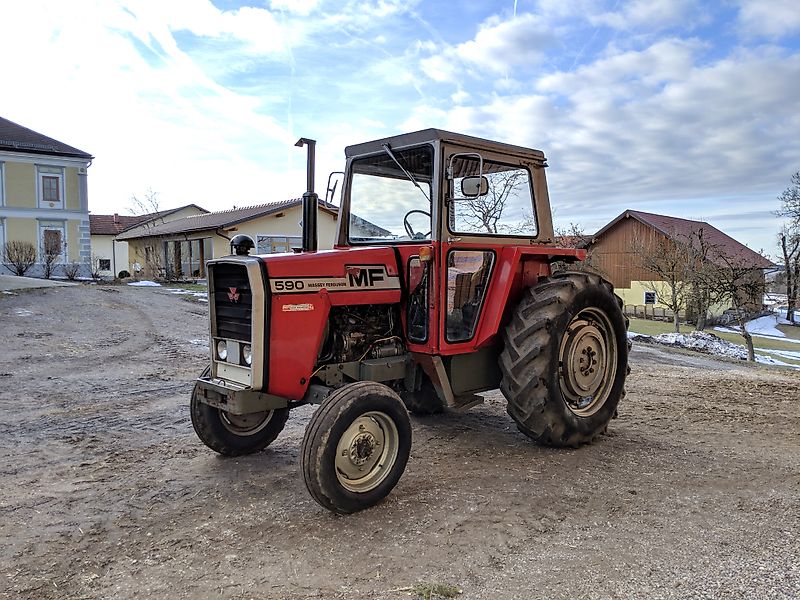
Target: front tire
[565, 359]
[235, 435]
[356, 447]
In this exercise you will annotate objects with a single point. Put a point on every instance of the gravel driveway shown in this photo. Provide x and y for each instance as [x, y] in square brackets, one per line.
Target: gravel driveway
[107, 493]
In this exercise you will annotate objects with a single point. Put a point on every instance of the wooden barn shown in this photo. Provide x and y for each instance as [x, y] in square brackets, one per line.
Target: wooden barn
[616, 252]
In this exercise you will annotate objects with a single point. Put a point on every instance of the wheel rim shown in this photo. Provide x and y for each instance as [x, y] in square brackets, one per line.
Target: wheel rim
[588, 362]
[367, 451]
[245, 425]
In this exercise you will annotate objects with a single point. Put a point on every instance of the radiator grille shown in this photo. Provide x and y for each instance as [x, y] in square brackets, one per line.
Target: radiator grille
[233, 302]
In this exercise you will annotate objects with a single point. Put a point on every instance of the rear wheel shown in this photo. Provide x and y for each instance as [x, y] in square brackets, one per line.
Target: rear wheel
[235, 435]
[356, 447]
[565, 359]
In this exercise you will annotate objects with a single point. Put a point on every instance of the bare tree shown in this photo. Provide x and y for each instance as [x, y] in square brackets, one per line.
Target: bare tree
[19, 256]
[737, 281]
[484, 212]
[95, 268]
[574, 236]
[789, 240]
[152, 255]
[145, 205]
[671, 263]
[703, 292]
[790, 249]
[53, 248]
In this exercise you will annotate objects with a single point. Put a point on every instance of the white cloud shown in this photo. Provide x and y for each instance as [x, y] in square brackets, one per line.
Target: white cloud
[498, 47]
[501, 44]
[116, 85]
[256, 29]
[299, 7]
[651, 128]
[649, 14]
[772, 18]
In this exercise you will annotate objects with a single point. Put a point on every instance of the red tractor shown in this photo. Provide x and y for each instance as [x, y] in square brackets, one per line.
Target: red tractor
[440, 286]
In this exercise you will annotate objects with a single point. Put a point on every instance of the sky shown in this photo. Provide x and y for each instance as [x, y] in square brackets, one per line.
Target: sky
[690, 109]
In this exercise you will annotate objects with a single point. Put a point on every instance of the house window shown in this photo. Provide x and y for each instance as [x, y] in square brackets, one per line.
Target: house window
[2, 185]
[50, 183]
[52, 240]
[105, 264]
[272, 244]
[649, 297]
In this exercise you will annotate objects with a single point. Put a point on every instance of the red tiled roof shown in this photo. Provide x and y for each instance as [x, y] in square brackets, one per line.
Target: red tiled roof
[113, 224]
[683, 229]
[16, 138]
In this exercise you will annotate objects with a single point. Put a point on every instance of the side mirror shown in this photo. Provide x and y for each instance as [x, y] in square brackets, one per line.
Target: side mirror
[474, 186]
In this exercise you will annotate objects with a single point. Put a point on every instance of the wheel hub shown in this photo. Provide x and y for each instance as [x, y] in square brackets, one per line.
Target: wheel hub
[361, 448]
[366, 451]
[588, 361]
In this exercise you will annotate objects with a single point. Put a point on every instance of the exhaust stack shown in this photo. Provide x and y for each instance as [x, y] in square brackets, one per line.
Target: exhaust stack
[310, 199]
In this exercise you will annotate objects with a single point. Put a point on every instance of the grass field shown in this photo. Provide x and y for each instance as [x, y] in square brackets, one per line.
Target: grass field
[191, 287]
[762, 345]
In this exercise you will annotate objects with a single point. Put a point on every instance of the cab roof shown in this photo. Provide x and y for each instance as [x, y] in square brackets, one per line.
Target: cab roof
[432, 135]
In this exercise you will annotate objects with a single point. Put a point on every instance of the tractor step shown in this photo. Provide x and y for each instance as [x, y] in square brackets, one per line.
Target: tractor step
[466, 402]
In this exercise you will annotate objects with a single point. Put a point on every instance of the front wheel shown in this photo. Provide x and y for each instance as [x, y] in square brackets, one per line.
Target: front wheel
[565, 359]
[356, 447]
[235, 435]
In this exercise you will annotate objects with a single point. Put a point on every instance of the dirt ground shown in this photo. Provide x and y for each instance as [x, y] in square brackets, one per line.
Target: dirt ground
[107, 493]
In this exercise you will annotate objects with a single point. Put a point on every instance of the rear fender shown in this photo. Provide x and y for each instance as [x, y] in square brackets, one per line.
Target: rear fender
[517, 269]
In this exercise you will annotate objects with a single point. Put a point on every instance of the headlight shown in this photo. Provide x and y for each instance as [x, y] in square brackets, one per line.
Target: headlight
[222, 350]
[247, 354]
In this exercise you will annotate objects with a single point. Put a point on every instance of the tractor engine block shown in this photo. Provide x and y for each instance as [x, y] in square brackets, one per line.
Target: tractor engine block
[358, 332]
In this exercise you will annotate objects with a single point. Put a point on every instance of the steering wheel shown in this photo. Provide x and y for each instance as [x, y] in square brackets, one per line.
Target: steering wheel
[410, 230]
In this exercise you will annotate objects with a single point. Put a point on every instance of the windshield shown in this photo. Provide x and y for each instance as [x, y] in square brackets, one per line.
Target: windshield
[389, 202]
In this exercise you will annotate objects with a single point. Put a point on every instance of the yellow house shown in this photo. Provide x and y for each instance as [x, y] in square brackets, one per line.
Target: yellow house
[180, 248]
[43, 198]
[110, 255]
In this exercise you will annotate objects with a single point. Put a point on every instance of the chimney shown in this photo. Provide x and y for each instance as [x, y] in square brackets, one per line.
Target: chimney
[116, 218]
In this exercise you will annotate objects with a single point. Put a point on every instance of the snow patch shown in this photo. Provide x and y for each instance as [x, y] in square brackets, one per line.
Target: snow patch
[701, 341]
[766, 326]
[202, 296]
[708, 343]
[782, 312]
[144, 283]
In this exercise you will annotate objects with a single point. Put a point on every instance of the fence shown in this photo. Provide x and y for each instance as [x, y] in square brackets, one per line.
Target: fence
[654, 313]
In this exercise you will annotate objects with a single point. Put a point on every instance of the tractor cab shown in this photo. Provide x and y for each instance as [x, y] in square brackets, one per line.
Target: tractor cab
[439, 287]
[457, 199]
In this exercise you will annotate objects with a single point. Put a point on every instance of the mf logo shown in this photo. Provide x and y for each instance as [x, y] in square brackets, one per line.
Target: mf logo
[233, 294]
[365, 277]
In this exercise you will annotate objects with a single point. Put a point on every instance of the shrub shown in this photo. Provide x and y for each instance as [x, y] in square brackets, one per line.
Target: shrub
[123, 274]
[72, 270]
[20, 256]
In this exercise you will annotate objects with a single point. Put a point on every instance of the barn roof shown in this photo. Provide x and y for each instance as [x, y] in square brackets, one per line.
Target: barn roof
[679, 229]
